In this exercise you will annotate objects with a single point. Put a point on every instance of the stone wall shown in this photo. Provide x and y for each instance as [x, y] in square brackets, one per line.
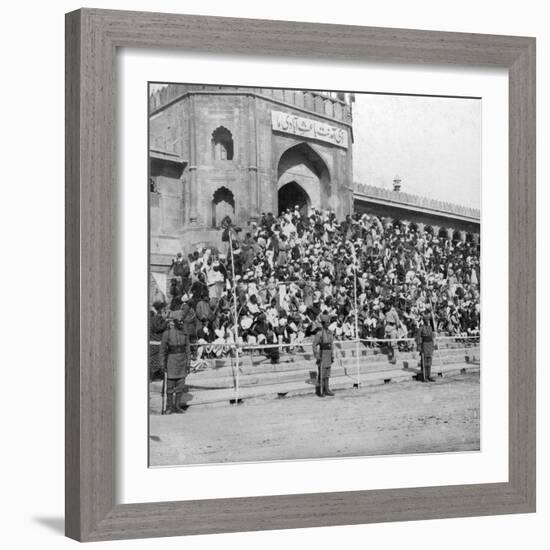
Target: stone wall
[262, 161]
[448, 224]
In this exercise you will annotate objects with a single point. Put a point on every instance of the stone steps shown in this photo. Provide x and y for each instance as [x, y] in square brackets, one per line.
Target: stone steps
[283, 389]
[296, 374]
[288, 362]
[272, 374]
[226, 377]
[260, 365]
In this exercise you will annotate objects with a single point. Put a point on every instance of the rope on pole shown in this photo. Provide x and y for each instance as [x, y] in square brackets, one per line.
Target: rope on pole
[351, 341]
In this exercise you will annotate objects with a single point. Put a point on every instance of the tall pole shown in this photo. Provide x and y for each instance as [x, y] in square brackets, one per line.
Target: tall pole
[356, 313]
[433, 316]
[436, 343]
[236, 319]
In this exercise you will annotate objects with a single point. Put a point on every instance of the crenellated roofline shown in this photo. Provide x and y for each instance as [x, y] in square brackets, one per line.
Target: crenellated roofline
[333, 106]
[418, 203]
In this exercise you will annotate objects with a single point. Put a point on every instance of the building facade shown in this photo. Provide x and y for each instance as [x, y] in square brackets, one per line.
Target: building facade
[217, 151]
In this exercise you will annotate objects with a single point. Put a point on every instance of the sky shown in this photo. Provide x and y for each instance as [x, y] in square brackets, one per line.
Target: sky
[433, 144]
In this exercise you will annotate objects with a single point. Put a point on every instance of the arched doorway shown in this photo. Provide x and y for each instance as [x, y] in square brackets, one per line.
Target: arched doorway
[223, 204]
[302, 166]
[291, 195]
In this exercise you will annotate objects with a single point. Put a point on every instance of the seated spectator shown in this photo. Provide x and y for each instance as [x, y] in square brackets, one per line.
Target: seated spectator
[292, 268]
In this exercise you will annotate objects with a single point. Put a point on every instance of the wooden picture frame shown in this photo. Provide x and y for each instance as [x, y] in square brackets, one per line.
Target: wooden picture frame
[92, 39]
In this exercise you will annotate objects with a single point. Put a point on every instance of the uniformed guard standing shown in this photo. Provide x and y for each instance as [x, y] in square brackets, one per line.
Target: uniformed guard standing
[425, 345]
[323, 351]
[174, 359]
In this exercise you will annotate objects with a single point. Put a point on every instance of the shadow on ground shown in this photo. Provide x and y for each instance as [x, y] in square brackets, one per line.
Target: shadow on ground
[54, 524]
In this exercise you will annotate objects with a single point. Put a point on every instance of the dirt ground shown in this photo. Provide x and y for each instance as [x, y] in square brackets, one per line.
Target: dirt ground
[407, 417]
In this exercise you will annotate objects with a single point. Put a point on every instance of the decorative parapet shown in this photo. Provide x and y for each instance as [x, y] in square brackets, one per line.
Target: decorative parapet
[416, 202]
[335, 105]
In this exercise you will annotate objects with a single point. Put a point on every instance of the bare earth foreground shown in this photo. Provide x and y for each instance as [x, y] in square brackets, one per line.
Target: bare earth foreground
[406, 417]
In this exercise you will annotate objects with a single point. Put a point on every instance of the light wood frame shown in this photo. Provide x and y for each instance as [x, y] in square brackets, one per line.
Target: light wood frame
[92, 39]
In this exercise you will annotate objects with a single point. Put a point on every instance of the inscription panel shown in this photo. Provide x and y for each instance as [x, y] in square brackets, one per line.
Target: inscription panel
[306, 127]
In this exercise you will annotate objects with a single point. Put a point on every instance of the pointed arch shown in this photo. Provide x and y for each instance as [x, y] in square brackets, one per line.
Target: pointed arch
[222, 144]
[302, 165]
[223, 204]
[292, 195]
[306, 152]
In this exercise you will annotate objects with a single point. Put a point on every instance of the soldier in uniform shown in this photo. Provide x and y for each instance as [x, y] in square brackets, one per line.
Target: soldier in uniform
[323, 352]
[391, 325]
[174, 359]
[425, 345]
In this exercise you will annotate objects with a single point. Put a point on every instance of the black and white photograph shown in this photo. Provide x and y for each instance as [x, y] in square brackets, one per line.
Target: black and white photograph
[314, 274]
[286, 255]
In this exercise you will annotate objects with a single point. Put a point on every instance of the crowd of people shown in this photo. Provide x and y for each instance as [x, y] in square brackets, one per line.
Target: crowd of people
[362, 272]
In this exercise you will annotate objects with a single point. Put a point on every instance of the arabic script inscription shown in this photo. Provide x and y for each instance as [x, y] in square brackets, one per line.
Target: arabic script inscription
[299, 126]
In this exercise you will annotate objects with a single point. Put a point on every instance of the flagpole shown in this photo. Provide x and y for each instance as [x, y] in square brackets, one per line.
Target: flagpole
[356, 314]
[236, 318]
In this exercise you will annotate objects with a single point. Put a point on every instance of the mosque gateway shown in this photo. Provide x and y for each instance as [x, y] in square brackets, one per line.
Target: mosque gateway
[217, 151]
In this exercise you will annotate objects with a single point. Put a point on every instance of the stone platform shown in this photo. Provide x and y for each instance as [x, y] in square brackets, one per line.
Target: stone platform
[295, 374]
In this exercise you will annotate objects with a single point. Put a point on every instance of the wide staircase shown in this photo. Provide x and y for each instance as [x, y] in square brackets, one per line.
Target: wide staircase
[221, 381]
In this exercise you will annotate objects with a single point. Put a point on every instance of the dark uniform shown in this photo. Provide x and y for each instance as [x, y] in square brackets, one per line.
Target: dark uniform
[174, 359]
[323, 351]
[425, 344]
